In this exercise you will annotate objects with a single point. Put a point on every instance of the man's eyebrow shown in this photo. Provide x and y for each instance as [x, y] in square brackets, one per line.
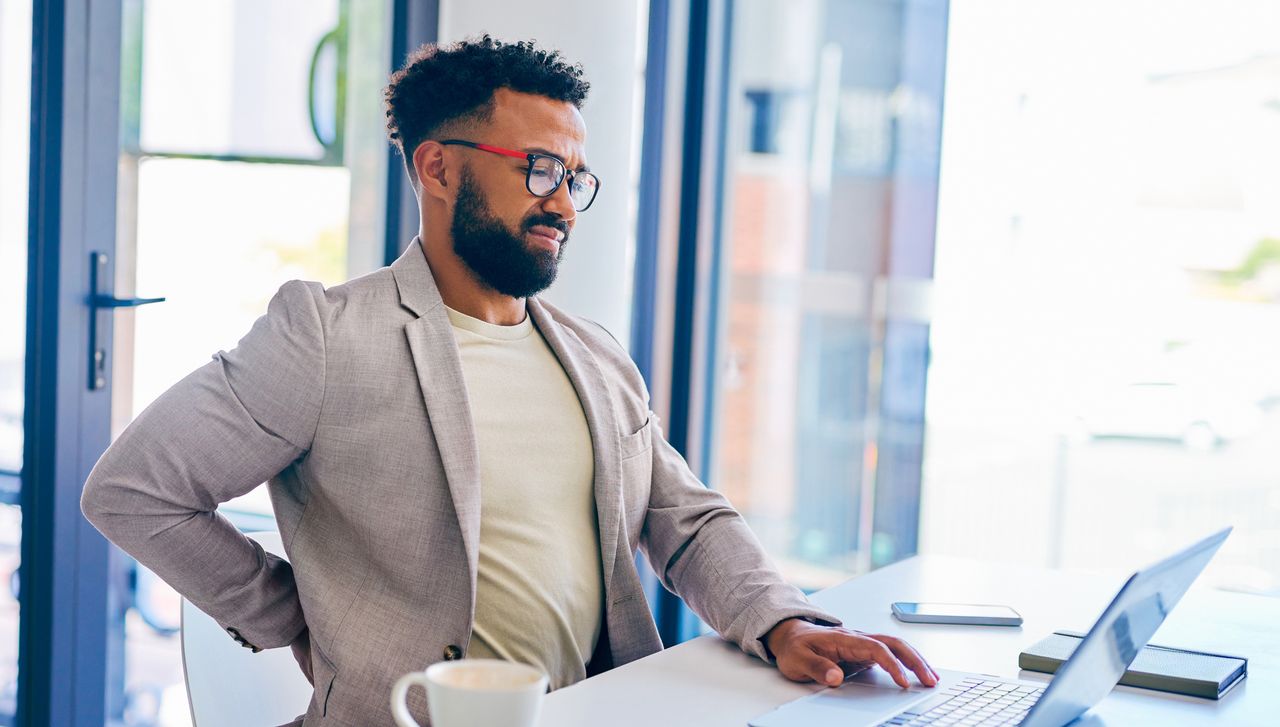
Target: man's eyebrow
[548, 152]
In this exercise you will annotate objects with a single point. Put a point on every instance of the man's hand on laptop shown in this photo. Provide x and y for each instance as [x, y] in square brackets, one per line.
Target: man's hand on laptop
[808, 652]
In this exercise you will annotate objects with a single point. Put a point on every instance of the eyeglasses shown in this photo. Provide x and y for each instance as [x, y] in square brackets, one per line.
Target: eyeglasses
[545, 174]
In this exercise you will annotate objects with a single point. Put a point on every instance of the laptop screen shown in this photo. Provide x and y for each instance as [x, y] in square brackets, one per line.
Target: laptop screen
[1120, 633]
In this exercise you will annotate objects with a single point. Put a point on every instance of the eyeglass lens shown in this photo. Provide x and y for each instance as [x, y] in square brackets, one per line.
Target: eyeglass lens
[547, 173]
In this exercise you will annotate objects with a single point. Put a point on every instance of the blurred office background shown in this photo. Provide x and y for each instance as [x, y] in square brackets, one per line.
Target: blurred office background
[990, 278]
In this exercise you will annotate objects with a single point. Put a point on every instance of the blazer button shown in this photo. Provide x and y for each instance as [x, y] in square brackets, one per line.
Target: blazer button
[452, 653]
[235, 636]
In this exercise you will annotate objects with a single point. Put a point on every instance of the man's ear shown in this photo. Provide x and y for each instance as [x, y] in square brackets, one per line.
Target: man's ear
[431, 170]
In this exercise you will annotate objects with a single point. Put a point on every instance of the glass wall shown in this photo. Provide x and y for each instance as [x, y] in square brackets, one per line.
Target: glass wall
[828, 191]
[252, 153]
[1104, 385]
[15, 128]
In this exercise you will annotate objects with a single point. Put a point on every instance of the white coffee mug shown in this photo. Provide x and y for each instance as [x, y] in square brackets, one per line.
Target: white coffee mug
[474, 693]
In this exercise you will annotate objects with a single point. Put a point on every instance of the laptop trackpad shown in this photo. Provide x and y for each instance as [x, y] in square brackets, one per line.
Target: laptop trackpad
[872, 691]
[860, 700]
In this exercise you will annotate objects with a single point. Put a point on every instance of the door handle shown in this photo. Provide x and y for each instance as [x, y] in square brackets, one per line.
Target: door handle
[106, 301]
[98, 302]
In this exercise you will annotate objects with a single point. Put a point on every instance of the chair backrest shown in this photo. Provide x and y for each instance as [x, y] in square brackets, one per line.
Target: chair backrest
[230, 686]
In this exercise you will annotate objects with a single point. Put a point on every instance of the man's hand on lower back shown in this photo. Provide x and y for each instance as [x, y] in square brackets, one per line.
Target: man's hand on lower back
[808, 652]
[301, 648]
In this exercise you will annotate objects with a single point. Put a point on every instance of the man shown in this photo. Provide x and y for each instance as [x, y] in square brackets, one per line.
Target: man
[457, 467]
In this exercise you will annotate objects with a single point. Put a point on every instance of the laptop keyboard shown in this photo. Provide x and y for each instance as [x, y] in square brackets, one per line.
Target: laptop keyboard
[972, 702]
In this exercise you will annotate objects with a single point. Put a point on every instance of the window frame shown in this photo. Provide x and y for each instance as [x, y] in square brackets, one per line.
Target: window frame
[63, 633]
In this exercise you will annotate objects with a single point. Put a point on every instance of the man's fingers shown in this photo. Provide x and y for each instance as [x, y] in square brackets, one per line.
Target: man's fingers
[823, 670]
[817, 654]
[911, 658]
[890, 663]
[860, 648]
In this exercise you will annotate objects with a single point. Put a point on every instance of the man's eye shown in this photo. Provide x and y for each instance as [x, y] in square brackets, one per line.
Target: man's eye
[540, 172]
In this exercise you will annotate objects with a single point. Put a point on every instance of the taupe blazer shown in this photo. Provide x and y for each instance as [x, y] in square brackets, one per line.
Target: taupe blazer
[350, 403]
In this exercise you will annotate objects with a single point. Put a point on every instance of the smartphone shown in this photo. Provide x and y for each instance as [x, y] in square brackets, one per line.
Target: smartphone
[955, 613]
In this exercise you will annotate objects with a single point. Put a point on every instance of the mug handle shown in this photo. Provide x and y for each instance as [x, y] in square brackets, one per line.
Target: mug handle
[400, 692]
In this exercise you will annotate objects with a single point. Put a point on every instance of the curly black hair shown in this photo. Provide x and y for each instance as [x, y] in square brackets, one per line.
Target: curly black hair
[439, 85]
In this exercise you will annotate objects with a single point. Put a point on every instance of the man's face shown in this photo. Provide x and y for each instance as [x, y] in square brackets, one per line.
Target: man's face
[510, 239]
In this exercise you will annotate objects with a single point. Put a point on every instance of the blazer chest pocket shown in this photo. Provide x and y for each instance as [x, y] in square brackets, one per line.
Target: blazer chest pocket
[639, 441]
[637, 471]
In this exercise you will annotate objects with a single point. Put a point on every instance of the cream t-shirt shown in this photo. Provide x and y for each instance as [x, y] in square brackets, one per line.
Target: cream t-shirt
[539, 592]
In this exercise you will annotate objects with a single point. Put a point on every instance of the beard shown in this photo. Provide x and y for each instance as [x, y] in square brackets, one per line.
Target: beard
[500, 259]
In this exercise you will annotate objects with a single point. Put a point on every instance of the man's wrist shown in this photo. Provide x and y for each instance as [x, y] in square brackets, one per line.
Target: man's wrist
[775, 637]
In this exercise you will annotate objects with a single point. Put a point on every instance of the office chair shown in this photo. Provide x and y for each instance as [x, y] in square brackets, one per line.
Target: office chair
[228, 685]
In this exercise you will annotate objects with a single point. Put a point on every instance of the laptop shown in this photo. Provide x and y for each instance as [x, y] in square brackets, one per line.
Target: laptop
[960, 698]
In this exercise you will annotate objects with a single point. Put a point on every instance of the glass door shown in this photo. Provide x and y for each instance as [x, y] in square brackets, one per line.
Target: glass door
[252, 152]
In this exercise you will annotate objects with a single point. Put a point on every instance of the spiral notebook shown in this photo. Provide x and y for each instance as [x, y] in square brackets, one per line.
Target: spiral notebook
[1162, 668]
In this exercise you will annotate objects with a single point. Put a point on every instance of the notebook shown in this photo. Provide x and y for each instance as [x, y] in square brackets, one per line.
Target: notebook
[1162, 668]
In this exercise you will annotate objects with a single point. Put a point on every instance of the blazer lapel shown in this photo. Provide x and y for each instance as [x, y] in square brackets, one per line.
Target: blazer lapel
[439, 369]
[593, 393]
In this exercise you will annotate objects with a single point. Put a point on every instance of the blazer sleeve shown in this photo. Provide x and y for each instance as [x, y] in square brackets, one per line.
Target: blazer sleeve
[218, 433]
[703, 551]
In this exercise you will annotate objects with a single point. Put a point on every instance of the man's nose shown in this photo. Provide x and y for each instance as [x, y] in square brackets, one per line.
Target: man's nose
[561, 203]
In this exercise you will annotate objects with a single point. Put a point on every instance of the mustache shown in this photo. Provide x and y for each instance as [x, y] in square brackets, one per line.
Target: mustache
[548, 221]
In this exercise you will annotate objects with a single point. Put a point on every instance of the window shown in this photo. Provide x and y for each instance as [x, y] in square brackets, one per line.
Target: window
[1103, 387]
[815, 388]
[15, 120]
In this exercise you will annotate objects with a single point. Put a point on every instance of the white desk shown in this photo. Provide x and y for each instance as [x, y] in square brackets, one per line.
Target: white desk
[708, 682]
